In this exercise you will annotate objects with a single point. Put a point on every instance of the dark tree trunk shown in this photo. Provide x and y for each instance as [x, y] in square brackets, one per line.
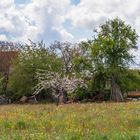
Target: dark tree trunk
[116, 94]
[61, 98]
[4, 84]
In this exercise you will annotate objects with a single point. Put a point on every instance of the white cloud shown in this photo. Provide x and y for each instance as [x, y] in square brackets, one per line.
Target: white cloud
[82, 39]
[4, 4]
[35, 20]
[48, 17]
[3, 38]
[89, 14]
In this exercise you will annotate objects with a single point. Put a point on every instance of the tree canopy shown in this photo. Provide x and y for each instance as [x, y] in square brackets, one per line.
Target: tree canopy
[111, 50]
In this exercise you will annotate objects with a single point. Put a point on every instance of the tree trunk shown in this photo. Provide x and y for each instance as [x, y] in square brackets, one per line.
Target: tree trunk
[116, 94]
[4, 84]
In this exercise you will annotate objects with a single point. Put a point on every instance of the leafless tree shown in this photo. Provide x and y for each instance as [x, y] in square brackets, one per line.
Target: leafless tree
[9, 46]
[66, 51]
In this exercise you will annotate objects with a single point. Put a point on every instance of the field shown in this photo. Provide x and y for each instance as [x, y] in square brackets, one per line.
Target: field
[105, 121]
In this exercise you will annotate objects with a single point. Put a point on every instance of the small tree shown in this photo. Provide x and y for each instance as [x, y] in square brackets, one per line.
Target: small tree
[111, 50]
[59, 85]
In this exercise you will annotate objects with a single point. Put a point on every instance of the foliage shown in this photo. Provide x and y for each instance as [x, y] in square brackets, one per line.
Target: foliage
[102, 64]
[81, 93]
[111, 52]
[131, 81]
[1, 83]
[31, 58]
[66, 81]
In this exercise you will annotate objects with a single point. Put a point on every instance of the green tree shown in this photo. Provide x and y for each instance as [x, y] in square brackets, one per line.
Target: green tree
[131, 82]
[111, 52]
[30, 59]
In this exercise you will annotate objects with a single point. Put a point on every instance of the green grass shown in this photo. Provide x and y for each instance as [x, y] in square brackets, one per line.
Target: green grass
[105, 121]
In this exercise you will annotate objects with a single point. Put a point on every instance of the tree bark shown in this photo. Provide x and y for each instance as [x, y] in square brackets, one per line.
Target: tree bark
[116, 94]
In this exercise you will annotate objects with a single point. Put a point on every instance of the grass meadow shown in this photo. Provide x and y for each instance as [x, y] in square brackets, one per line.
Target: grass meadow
[96, 121]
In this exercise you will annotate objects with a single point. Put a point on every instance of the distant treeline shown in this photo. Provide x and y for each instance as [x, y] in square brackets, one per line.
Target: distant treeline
[97, 69]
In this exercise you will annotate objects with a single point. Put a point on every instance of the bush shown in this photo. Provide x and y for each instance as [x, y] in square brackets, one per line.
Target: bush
[80, 94]
[30, 59]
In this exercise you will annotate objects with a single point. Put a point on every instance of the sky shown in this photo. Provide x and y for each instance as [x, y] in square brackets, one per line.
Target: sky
[63, 20]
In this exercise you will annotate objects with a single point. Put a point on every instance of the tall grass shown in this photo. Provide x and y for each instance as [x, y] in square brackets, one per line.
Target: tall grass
[105, 121]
